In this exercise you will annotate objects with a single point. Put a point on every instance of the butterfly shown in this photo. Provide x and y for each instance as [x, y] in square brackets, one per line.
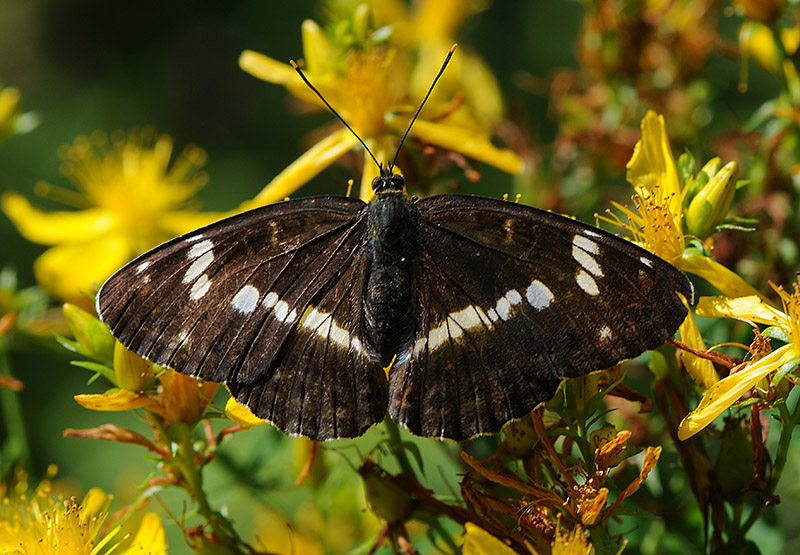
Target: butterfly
[455, 313]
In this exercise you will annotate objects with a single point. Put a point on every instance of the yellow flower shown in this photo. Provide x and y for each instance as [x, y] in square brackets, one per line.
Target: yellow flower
[366, 79]
[129, 198]
[657, 222]
[45, 523]
[727, 391]
[571, 543]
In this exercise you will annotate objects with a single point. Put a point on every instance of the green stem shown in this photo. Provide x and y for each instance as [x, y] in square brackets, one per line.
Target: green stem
[185, 460]
[15, 449]
[788, 421]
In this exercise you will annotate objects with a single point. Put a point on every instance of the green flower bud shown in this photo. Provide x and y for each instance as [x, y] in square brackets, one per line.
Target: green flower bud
[710, 206]
[132, 371]
[90, 333]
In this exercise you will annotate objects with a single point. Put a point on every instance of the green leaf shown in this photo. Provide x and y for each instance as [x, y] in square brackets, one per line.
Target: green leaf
[96, 367]
[785, 368]
[776, 332]
[627, 509]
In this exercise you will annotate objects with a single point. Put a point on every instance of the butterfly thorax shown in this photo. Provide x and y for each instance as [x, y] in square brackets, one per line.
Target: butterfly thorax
[392, 238]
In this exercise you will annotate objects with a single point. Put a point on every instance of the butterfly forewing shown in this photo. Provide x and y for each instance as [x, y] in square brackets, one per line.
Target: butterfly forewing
[228, 302]
[514, 299]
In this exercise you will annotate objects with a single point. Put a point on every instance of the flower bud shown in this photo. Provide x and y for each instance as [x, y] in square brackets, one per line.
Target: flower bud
[91, 334]
[710, 206]
[132, 371]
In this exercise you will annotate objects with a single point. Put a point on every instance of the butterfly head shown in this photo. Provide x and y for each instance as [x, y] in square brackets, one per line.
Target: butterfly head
[388, 182]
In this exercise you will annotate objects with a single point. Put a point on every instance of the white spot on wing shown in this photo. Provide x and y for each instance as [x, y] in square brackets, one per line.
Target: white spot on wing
[271, 299]
[323, 325]
[493, 316]
[142, 267]
[503, 308]
[514, 297]
[281, 310]
[605, 333]
[454, 326]
[586, 260]
[246, 299]
[200, 288]
[471, 317]
[586, 244]
[587, 283]
[198, 267]
[646, 261]
[591, 233]
[200, 249]
[194, 238]
[539, 295]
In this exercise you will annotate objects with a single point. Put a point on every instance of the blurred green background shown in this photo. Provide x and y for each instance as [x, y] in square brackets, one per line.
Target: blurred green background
[85, 65]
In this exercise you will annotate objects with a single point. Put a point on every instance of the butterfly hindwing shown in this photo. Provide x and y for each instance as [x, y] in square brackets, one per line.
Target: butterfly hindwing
[323, 384]
[514, 299]
[226, 303]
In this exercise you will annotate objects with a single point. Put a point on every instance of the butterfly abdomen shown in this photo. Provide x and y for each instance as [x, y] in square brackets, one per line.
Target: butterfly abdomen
[388, 295]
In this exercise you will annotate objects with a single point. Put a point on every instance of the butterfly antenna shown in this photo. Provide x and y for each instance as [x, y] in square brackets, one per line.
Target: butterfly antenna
[334, 112]
[424, 100]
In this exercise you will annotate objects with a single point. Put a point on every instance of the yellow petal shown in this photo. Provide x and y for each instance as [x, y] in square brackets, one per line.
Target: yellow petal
[299, 172]
[150, 538]
[727, 282]
[728, 390]
[750, 309]
[478, 541]
[571, 543]
[265, 68]
[464, 141]
[68, 270]
[591, 508]
[700, 369]
[318, 53]
[117, 401]
[652, 163]
[241, 414]
[94, 503]
[52, 228]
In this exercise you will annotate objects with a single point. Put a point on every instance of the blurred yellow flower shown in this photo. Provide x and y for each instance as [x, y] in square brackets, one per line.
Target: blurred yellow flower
[45, 523]
[366, 78]
[727, 391]
[129, 199]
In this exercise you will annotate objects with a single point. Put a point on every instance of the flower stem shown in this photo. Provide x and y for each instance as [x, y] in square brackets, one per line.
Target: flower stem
[15, 449]
[789, 420]
[187, 463]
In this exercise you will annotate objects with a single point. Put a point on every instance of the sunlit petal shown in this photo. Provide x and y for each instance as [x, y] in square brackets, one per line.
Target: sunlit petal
[700, 369]
[751, 309]
[308, 165]
[723, 279]
[241, 414]
[728, 390]
[149, 539]
[52, 228]
[466, 142]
